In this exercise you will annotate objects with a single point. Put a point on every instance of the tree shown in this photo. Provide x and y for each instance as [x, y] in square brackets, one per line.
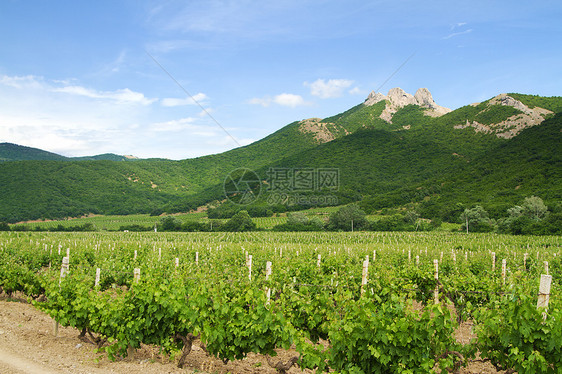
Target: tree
[534, 208]
[348, 218]
[476, 220]
[170, 223]
[412, 217]
[529, 218]
[297, 218]
[241, 221]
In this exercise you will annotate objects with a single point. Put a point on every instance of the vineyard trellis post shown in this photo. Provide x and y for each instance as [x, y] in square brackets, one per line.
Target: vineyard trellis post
[63, 271]
[544, 292]
[267, 275]
[249, 267]
[504, 268]
[436, 275]
[365, 274]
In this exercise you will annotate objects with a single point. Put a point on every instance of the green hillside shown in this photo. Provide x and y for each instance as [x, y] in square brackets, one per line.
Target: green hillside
[14, 152]
[462, 157]
[35, 189]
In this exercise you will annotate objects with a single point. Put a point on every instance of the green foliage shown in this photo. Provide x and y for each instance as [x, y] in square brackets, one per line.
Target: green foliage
[399, 222]
[496, 114]
[554, 103]
[513, 334]
[169, 223]
[534, 208]
[241, 221]
[476, 220]
[298, 221]
[531, 218]
[348, 218]
[366, 327]
[390, 337]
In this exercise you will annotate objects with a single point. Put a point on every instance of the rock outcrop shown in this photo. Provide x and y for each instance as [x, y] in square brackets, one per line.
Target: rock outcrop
[397, 98]
[513, 125]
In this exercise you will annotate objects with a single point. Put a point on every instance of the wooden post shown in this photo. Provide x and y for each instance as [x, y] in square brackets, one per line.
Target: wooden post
[544, 291]
[196, 258]
[504, 268]
[159, 254]
[319, 259]
[409, 255]
[177, 262]
[250, 267]
[493, 261]
[64, 268]
[436, 275]
[267, 275]
[374, 255]
[98, 273]
[135, 257]
[546, 267]
[63, 271]
[136, 275]
[365, 275]
[418, 260]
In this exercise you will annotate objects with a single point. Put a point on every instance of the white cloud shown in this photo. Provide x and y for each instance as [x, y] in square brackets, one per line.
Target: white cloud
[284, 99]
[458, 24]
[68, 118]
[356, 91]
[289, 100]
[27, 81]
[452, 35]
[124, 95]
[263, 101]
[328, 89]
[196, 99]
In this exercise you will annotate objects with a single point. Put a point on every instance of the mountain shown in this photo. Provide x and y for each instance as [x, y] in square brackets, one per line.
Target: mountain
[15, 152]
[389, 150]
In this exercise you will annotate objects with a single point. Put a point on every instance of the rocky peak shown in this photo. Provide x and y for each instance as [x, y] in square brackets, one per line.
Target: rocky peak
[423, 98]
[374, 97]
[397, 98]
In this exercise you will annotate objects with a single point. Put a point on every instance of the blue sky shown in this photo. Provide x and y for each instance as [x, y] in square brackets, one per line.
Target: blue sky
[82, 78]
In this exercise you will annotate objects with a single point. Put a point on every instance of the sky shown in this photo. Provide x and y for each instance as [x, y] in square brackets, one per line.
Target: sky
[181, 79]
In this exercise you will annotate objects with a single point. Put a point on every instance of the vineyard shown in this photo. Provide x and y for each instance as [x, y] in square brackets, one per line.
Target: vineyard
[362, 302]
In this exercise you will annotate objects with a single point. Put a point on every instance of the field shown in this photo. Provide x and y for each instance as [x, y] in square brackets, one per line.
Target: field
[344, 302]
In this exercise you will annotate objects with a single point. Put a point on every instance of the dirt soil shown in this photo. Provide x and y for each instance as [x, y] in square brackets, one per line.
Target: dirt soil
[28, 346]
